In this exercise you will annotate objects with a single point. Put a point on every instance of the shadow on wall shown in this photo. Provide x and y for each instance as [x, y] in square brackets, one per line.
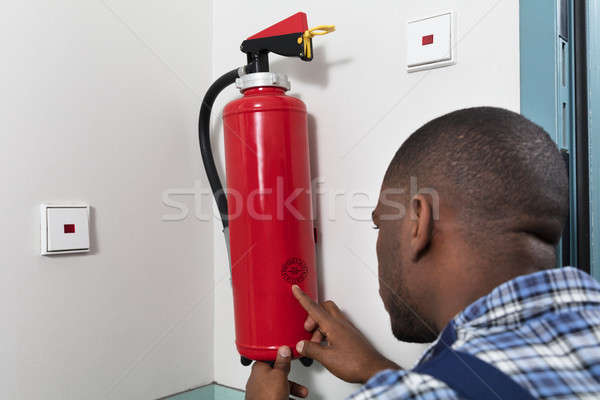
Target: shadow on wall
[317, 72]
[313, 152]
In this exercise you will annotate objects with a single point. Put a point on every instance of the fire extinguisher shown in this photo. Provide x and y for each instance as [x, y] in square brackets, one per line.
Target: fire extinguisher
[266, 209]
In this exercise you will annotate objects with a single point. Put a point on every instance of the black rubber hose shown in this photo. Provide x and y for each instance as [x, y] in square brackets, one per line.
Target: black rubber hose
[204, 138]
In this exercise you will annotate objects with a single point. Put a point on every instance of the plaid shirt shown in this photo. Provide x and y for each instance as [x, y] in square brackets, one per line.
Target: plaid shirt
[541, 329]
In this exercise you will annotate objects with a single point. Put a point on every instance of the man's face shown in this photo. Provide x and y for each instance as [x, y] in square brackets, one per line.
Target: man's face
[401, 286]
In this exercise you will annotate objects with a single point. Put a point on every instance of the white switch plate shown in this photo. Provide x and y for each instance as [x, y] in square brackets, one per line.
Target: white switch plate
[429, 42]
[65, 228]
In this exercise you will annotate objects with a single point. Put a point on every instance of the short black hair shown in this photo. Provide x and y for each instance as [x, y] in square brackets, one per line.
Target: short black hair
[489, 164]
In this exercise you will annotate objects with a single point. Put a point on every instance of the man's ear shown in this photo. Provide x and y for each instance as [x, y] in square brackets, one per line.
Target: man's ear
[421, 223]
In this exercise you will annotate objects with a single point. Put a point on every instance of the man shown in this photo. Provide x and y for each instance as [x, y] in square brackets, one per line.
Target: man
[471, 265]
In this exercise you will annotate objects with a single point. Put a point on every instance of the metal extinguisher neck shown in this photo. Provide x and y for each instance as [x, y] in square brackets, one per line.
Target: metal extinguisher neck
[262, 79]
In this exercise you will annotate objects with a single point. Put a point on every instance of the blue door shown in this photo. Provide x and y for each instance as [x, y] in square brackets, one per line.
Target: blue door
[593, 122]
[559, 47]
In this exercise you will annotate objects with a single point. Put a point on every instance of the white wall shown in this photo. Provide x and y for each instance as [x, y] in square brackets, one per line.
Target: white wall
[363, 105]
[99, 104]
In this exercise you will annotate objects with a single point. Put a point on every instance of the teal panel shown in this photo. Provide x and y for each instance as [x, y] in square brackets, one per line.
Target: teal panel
[538, 49]
[566, 117]
[203, 393]
[209, 392]
[547, 88]
[225, 393]
[593, 66]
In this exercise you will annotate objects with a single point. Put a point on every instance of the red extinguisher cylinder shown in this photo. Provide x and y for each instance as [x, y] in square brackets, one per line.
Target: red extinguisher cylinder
[270, 219]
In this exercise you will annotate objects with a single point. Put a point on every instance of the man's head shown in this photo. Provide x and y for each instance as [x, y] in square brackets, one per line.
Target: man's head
[470, 200]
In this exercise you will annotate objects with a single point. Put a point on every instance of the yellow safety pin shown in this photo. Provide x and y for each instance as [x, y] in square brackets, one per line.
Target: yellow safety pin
[310, 33]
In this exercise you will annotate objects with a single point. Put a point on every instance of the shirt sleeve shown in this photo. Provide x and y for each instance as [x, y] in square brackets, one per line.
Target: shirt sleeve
[401, 384]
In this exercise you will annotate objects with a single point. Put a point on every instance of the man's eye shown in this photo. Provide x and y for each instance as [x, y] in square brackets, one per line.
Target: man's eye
[375, 227]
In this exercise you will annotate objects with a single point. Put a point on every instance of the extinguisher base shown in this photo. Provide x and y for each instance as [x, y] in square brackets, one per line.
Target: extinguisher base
[307, 362]
[245, 361]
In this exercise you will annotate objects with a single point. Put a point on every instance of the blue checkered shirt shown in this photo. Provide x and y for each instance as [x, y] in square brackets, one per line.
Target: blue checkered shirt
[541, 329]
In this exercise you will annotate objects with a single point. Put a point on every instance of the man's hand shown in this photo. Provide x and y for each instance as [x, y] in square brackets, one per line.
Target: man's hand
[347, 353]
[271, 383]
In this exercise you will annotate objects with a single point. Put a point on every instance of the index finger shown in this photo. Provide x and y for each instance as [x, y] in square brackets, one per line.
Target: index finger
[316, 312]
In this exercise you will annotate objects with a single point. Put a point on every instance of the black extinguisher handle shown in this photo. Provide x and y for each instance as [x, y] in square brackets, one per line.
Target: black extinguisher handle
[204, 138]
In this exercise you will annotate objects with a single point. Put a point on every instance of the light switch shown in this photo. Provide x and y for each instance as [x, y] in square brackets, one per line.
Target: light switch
[430, 42]
[65, 229]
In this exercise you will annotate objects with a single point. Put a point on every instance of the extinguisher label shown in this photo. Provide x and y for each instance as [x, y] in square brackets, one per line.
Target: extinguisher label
[294, 270]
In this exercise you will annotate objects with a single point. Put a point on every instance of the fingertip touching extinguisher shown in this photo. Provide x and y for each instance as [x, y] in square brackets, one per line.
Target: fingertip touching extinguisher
[266, 208]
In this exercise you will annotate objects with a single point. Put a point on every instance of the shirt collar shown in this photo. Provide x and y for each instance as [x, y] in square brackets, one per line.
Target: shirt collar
[527, 296]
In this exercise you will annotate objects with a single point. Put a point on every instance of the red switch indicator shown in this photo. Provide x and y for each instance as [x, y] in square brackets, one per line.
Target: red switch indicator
[69, 228]
[428, 39]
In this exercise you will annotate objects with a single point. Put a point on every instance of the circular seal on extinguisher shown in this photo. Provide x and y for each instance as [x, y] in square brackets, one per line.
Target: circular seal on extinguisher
[294, 270]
